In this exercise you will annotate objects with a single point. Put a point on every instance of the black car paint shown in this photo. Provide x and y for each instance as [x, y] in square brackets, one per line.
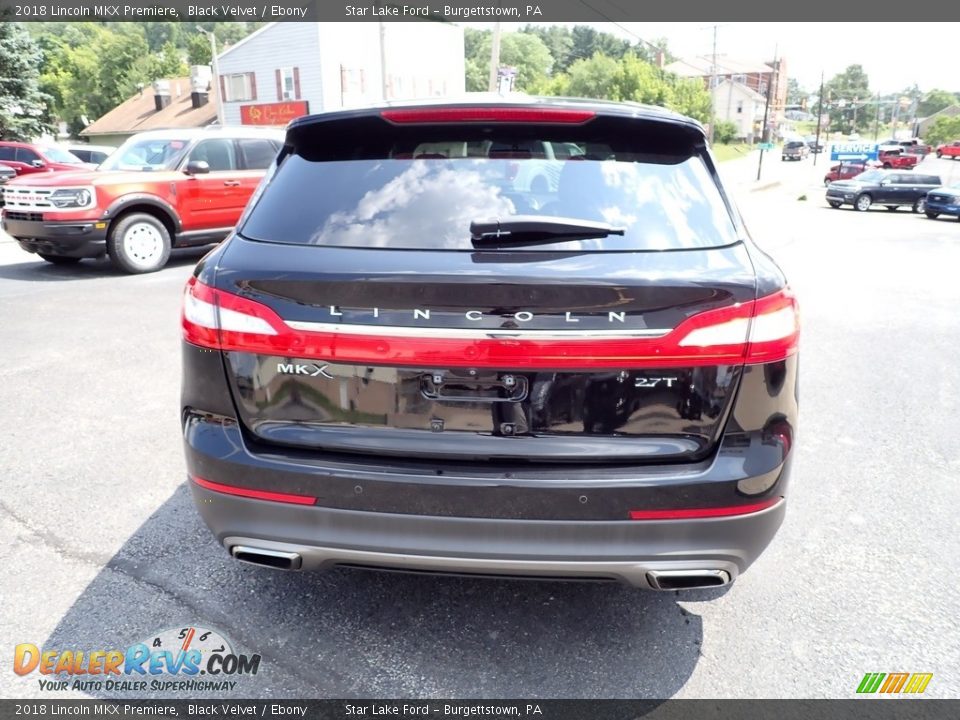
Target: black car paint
[741, 427]
[891, 188]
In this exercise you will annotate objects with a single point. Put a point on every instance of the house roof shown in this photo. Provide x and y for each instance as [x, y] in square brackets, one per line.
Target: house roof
[742, 89]
[701, 66]
[243, 41]
[138, 112]
[948, 111]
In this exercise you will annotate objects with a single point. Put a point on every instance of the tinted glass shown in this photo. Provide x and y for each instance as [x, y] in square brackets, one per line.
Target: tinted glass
[257, 154]
[218, 153]
[871, 176]
[26, 155]
[425, 195]
[7, 152]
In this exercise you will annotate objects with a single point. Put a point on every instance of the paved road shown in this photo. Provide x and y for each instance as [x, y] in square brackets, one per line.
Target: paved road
[102, 546]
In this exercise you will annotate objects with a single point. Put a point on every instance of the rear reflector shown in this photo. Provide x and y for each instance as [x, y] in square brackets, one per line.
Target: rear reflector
[760, 331]
[711, 512]
[488, 114]
[254, 494]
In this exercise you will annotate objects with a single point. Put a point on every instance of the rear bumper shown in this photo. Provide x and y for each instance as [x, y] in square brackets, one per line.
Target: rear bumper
[80, 238]
[630, 552]
[570, 524]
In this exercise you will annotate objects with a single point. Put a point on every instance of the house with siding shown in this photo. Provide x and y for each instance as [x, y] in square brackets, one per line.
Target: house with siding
[284, 70]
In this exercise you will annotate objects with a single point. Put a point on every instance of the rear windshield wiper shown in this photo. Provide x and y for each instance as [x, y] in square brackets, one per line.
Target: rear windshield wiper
[534, 229]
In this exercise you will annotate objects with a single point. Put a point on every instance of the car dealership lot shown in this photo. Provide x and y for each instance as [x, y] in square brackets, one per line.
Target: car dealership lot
[103, 546]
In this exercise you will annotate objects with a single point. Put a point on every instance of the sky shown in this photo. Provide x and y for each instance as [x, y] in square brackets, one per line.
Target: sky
[926, 55]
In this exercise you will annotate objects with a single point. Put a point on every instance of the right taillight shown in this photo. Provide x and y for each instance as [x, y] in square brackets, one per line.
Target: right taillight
[764, 330]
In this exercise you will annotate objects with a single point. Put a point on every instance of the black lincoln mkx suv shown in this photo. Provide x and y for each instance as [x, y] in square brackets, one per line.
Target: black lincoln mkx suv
[406, 357]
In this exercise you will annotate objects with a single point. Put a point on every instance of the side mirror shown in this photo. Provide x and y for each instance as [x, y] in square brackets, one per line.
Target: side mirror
[37, 163]
[197, 167]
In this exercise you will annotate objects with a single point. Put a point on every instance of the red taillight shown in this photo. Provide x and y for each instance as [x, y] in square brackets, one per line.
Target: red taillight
[255, 494]
[759, 331]
[709, 512]
[488, 114]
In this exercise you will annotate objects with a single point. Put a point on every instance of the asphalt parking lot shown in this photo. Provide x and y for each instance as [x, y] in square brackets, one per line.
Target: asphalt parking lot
[103, 547]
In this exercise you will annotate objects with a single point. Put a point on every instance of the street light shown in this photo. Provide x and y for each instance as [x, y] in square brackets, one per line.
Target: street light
[216, 73]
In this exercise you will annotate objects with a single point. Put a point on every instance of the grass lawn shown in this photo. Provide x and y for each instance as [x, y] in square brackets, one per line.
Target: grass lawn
[730, 152]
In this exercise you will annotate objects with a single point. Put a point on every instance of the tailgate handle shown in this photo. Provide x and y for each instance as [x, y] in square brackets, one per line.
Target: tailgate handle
[507, 388]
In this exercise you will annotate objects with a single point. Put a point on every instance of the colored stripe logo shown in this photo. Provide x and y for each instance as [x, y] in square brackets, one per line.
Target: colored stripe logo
[894, 683]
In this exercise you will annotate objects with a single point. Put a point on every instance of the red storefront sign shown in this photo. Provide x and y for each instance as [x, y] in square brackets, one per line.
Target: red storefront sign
[279, 113]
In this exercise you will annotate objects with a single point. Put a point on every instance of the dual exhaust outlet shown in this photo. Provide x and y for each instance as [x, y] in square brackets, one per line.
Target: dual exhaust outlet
[680, 579]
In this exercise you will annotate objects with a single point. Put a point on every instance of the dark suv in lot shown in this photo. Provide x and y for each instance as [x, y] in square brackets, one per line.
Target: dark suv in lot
[404, 358]
[890, 188]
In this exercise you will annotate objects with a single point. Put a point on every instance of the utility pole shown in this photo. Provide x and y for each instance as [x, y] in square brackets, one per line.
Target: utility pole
[713, 86]
[819, 117]
[876, 120]
[384, 85]
[764, 133]
[495, 59]
[216, 73]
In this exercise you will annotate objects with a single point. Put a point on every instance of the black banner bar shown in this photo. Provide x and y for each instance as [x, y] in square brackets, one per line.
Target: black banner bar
[862, 709]
[525, 11]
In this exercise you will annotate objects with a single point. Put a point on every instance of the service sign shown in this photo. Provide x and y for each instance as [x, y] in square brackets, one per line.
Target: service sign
[279, 113]
[854, 151]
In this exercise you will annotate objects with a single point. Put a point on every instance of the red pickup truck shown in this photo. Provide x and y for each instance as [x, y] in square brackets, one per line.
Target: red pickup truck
[161, 189]
[895, 157]
[950, 150]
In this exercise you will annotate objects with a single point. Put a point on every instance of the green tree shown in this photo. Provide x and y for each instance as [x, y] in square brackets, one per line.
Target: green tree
[691, 98]
[934, 101]
[943, 129]
[23, 107]
[595, 77]
[852, 86]
[529, 55]
[587, 42]
[558, 41]
[198, 49]
[524, 51]
[795, 94]
[640, 81]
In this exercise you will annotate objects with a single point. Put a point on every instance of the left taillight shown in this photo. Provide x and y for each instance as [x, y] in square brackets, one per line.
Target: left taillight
[223, 321]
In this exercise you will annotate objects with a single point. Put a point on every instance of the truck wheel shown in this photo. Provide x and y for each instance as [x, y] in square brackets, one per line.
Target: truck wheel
[939, 154]
[932, 215]
[920, 205]
[863, 203]
[138, 243]
[833, 203]
[59, 259]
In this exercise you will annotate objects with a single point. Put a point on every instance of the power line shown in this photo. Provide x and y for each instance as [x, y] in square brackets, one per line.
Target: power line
[615, 23]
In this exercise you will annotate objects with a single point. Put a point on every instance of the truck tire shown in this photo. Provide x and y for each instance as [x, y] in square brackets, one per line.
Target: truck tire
[939, 154]
[920, 205]
[863, 202]
[138, 243]
[931, 214]
[833, 203]
[59, 259]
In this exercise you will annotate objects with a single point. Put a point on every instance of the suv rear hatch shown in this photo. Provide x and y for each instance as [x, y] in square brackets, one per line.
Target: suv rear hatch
[394, 291]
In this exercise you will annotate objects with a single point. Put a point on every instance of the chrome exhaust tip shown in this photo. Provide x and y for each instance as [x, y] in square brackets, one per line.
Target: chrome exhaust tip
[687, 579]
[263, 557]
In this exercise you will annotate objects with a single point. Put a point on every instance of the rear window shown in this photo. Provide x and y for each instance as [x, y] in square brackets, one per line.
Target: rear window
[422, 190]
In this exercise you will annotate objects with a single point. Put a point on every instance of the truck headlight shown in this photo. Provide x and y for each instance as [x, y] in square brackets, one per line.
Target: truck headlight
[71, 197]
